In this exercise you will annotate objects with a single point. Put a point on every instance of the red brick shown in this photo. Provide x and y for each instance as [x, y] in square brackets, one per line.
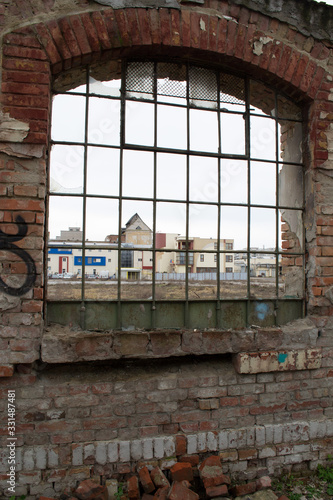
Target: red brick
[79, 32]
[263, 482]
[158, 478]
[181, 445]
[60, 43]
[232, 30]
[165, 26]
[25, 100]
[217, 491]
[243, 489]
[24, 52]
[25, 77]
[133, 488]
[25, 88]
[240, 41]
[144, 27]
[21, 113]
[162, 493]
[302, 64]
[101, 30]
[70, 39]
[91, 490]
[181, 471]
[48, 43]
[315, 84]
[204, 33]
[247, 454]
[6, 370]
[180, 492]
[211, 472]
[191, 459]
[186, 28]
[21, 39]
[195, 29]
[145, 480]
[213, 32]
[90, 32]
[123, 27]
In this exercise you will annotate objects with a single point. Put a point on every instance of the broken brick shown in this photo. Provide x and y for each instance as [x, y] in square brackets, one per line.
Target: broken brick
[211, 472]
[162, 493]
[243, 489]
[133, 488]
[147, 483]
[91, 490]
[158, 478]
[180, 492]
[263, 482]
[217, 491]
[181, 471]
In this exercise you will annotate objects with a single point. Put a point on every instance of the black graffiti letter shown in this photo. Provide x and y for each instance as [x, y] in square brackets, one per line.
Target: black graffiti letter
[7, 243]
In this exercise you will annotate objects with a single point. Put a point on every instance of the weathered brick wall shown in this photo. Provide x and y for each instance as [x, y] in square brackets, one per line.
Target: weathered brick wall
[73, 421]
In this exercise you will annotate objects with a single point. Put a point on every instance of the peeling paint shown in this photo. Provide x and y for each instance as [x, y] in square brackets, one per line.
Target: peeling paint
[202, 24]
[259, 44]
[12, 130]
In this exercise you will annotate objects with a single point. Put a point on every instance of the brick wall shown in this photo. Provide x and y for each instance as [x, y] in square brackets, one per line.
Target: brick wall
[77, 420]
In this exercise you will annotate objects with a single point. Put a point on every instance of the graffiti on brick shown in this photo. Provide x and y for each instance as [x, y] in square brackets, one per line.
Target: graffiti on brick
[7, 243]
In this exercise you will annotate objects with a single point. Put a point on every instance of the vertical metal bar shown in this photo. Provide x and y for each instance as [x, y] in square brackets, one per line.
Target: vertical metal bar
[187, 200]
[248, 154]
[121, 159]
[85, 160]
[218, 282]
[277, 215]
[153, 307]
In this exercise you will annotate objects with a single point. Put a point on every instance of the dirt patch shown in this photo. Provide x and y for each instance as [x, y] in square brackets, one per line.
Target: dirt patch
[108, 290]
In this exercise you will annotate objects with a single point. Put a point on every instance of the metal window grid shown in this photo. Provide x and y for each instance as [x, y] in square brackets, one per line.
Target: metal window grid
[147, 80]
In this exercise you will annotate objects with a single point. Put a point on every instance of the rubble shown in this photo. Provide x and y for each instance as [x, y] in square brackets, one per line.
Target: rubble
[183, 481]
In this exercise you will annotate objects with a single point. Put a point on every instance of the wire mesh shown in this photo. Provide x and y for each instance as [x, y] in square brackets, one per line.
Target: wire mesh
[171, 80]
[202, 84]
[232, 89]
[140, 77]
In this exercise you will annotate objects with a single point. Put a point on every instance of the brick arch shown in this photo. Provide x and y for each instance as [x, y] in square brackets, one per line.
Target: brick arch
[32, 55]
[250, 42]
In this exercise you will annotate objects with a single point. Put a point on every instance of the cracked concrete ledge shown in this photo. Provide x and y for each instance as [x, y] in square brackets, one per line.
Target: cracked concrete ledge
[64, 345]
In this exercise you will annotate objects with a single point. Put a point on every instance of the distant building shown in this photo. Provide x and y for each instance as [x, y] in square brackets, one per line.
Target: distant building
[135, 263]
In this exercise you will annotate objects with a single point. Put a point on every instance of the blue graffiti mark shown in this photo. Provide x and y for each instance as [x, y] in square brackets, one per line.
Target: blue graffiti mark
[261, 310]
[282, 357]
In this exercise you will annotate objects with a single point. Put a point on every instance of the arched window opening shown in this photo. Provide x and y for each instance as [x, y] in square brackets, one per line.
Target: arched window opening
[176, 199]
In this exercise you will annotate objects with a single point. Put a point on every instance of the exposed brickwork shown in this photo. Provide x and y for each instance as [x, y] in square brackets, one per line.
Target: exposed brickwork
[73, 422]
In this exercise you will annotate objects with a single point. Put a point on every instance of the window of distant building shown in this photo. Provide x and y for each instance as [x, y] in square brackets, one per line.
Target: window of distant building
[155, 162]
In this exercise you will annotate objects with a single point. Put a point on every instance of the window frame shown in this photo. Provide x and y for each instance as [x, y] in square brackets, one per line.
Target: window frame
[187, 252]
